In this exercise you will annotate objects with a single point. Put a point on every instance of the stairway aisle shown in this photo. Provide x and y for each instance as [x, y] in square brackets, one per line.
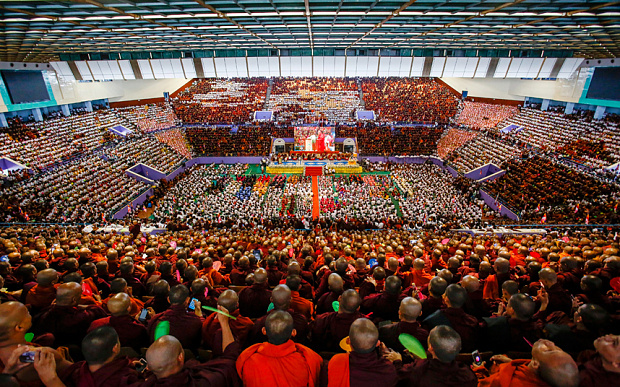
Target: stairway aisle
[315, 197]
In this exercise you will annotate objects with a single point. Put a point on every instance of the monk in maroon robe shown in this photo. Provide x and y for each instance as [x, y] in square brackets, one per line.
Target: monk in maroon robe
[166, 361]
[330, 328]
[384, 305]
[363, 366]
[603, 368]
[44, 293]
[212, 330]
[325, 302]
[254, 300]
[131, 333]
[409, 311]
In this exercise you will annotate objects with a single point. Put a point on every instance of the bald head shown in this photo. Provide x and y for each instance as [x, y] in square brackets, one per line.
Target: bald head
[281, 297]
[470, 283]
[279, 327]
[392, 285]
[418, 264]
[13, 315]
[444, 343]
[341, 266]
[393, 264]
[521, 307]
[260, 276]
[437, 286]
[502, 265]
[69, 294]
[456, 296]
[178, 295]
[548, 277]
[350, 301]
[229, 300]
[47, 277]
[410, 309]
[119, 304]
[363, 335]
[165, 356]
[101, 346]
[554, 366]
[335, 282]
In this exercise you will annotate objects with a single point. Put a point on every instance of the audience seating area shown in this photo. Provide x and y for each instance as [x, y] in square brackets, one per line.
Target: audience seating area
[313, 99]
[214, 141]
[478, 115]
[221, 100]
[149, 118]
[452, 140]
[396, 99]
[390, 141]
[484, 149]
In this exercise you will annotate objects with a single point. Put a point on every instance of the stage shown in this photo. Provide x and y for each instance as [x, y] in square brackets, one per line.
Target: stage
[346, 165]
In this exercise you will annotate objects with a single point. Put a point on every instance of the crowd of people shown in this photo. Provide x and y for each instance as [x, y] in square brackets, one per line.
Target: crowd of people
[541, 186]
[213, 101]
[150, 117]
[395, 99]
[308, 308]
[307, 100]
[251, 140]
[386, 140]
[452, 140]
[483, 149]
[550, 131]
[479, 115]
[175, 139]
[58, 140]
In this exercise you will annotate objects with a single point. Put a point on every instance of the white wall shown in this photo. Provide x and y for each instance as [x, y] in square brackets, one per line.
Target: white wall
[568, 90]
[67, 92]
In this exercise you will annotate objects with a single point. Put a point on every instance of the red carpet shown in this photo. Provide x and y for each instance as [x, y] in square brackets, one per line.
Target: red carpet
[315, 197]
[314, 171]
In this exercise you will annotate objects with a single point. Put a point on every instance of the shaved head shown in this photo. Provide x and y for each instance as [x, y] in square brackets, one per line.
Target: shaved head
[502, 265]
[336, 284]
[260, 276]
[554, 366]
[13, 314]
[363, 335]
[445, 343]
[69, 294]
[279, 327]
[281, 297]
[350, 301]
[101, 345]
[410, 309]
[119, 304]
[47, 277]
[229, 300]
[523, 306]
[470, 283]
[165, 356]
[456, 295]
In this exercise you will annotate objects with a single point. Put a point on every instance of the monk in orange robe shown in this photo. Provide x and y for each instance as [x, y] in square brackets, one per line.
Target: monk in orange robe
[549, 366]
[119, 285]
[280, 361]
[44, 293]
[419, 276]
[212, 331]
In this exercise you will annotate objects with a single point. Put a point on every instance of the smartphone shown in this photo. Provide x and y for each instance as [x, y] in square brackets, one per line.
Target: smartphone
[191, 305]
[140, 368]
[4, 258]
[143, 314]
[27, 357]
[477, 359]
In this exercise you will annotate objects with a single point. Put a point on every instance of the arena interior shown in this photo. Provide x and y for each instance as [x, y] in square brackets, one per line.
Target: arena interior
[309, 193]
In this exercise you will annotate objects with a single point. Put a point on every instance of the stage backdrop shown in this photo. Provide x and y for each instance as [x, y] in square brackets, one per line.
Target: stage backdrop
[315, 139]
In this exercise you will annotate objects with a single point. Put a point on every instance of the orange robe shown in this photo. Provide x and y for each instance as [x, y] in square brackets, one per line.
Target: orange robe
[301, 305]
[421, 278]
[491, 288]
[513, 374]
[41, 297]
[288, 364]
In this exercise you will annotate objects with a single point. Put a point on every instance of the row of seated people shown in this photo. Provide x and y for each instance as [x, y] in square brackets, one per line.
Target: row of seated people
[452, 140]
[150, 117]
[383, 140]
[540, 186]
[485, 148]
[247, 141]
[550, 131]
[358, 197]
[313, 99]
[396, 99]
[320, 309]
[175, 139]
[59, 139]
[296, 156]
[479, 115]
[221, 100]
[428, 193]
[85, 190]
[17, 129]
[147, 150]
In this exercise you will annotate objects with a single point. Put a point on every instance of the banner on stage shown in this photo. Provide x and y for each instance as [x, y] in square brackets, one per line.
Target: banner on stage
[315, 139]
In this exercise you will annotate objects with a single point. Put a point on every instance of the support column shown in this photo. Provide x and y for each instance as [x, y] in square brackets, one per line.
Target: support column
[37, 114]
[599, 113]
[89, 106]
[569, 108]
[65, 110]
[3, 122]
[545, 105]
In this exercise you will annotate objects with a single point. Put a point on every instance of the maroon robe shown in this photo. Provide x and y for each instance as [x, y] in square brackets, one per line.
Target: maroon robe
[212, 331]
[220, 372]
[274, 276]
[117, 373]
[383, 306]
[592, 374]
[329, 328]
[559, 299]
[159, 304]
[130, 332]
[388, 334]
[237, 276]
[184, 325]
[68, 324]
[434, 373]
[254, 300]
[325, 302]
